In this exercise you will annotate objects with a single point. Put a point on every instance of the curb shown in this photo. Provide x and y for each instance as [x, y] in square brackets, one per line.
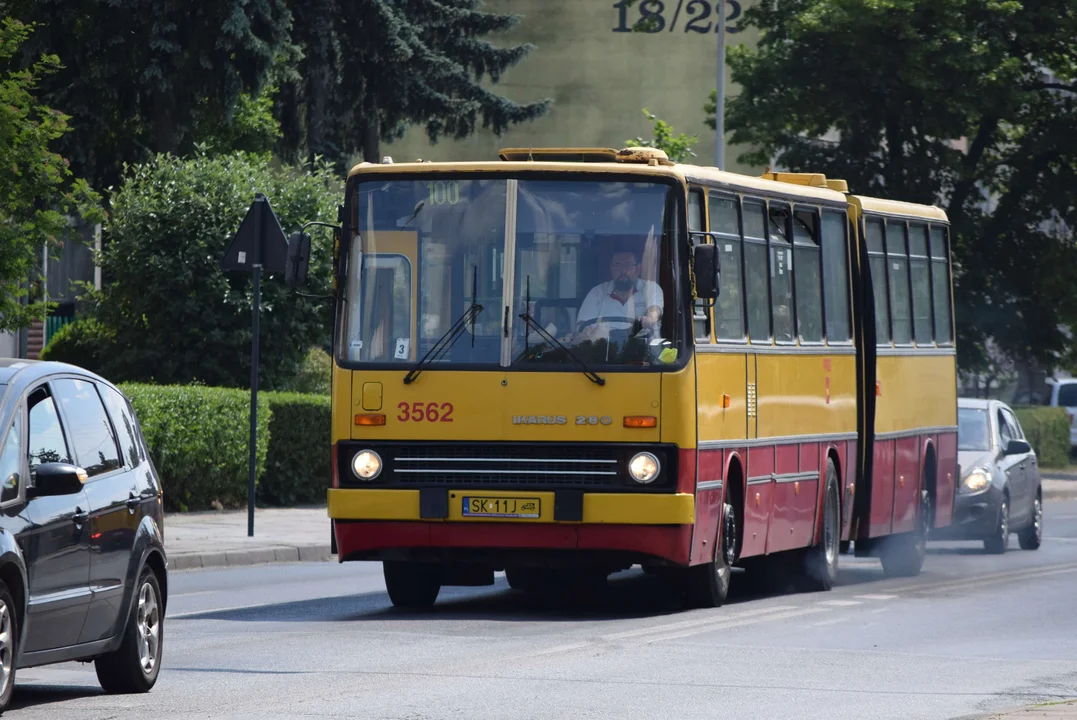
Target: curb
[254, 556]
[1062, 494]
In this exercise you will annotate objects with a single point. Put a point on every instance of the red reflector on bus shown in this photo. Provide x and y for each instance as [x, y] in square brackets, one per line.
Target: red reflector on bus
[640, 421]
[370, 419]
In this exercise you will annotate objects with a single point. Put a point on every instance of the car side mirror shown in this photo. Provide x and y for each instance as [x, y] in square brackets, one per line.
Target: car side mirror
[708, 274]
[58, 479]
[1018, 447]
[298, 260]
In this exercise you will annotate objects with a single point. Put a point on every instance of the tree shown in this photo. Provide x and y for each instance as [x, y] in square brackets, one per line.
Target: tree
[677, 147]
[36, 189]
[171, 314]
[967, 104]
[372, 69]
[140, 78]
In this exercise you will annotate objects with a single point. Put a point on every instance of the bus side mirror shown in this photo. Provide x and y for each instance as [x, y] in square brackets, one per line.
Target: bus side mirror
[708, 274]
[295, 268]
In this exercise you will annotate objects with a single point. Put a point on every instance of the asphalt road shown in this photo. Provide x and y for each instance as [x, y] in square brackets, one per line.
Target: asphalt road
[974, 633]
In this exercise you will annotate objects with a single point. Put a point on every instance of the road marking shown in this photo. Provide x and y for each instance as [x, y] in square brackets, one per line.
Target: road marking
[877, 597]
[692, 623]
[1009, 574]
[727, 625]
[840, 603]
[992, 581]
[1060, 539]
[831, 621]
[192, 594]
[211, 611]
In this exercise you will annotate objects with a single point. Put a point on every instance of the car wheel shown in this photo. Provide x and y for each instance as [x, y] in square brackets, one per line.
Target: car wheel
[903, 555]
[1032, 537]
[9, 638]
[999, 540]
[820, 569]
[707, 585]
[133, 666]
[411, 585]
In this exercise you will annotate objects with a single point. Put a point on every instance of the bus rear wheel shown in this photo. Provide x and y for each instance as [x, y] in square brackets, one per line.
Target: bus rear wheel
[820, 563]
[412, 586]
[707, 585]
[903, 555]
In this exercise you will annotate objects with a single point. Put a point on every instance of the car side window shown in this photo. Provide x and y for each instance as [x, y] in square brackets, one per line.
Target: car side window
[123, 421]
[90, 429]
[1004, 430]
[47, 443]
[11, 460]
[1015, 426]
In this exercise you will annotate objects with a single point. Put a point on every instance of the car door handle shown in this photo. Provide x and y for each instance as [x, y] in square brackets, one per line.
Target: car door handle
[80, 516]
[133, 502]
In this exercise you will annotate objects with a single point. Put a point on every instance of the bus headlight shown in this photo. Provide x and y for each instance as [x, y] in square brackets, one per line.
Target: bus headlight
[366, 465]
[644, 468]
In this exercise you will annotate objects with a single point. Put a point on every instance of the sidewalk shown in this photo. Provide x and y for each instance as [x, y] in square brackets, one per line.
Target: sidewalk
[219, 539]
[1059, 489]
[1045, 711]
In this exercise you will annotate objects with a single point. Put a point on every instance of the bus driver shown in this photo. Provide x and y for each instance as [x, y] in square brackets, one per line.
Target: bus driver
[620, 302]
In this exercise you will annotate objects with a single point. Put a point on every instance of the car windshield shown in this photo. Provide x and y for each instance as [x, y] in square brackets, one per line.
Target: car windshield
[973, 432]
[560, 268]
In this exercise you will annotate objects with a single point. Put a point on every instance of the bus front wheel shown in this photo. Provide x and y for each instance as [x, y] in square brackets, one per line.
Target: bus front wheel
[411, 585]
[707, 585]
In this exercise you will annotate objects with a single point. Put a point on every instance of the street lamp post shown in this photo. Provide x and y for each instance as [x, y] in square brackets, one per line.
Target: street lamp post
[719, 99]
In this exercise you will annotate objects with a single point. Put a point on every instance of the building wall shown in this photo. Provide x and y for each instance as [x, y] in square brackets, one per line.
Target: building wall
[600, 77]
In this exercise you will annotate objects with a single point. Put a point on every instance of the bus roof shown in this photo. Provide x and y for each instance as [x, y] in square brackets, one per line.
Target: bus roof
[655, 163]
[896, 207]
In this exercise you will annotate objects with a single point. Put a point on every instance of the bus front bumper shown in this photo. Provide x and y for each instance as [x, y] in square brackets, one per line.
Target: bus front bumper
[376, 523]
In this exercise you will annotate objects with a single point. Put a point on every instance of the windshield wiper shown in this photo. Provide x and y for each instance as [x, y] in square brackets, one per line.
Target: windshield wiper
[584, 367]
[451, 335]
[444, 342]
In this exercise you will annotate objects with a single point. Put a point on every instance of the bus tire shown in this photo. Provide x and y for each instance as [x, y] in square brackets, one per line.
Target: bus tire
[903, 555]
[412, 586]
[707, 585]
[820, 563]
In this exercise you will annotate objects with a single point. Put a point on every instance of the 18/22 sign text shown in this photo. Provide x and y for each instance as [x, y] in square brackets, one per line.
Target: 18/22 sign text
[655, 16]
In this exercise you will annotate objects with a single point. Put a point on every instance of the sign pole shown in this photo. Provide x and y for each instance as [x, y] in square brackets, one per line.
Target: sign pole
[257, 274]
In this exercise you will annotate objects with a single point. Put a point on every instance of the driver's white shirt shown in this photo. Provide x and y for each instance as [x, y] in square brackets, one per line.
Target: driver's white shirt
[600, 302]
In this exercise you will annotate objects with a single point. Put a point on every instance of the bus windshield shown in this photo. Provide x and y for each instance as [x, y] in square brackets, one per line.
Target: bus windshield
[564, 271]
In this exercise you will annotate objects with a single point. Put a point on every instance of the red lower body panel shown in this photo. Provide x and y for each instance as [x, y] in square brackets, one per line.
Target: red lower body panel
[358, 540]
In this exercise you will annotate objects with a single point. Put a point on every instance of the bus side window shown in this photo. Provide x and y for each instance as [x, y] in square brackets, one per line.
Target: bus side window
[940, 287]
[756, 283]
[729, 313]
[921, 284]
[781, 272]
[701, 314]
[897, 260]
[877, 264]
[835, 276]
[808, 285]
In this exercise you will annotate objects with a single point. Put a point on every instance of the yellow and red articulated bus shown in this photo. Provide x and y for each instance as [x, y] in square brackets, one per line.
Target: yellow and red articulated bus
[539, 369]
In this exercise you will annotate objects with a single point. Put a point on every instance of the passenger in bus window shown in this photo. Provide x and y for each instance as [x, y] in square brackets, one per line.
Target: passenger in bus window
[621, 301]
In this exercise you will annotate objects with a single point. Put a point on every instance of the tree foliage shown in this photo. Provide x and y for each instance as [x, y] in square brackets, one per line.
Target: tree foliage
[140, 78]
[677, 146]
[36, 188]
[174, 314]
[969, 104]
[372, 69]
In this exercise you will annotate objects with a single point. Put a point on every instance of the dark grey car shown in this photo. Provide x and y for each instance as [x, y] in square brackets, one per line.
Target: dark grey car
[1000, 489]
[83, 571]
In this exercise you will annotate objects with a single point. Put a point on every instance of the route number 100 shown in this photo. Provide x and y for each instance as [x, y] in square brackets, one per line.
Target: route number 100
[443, 192]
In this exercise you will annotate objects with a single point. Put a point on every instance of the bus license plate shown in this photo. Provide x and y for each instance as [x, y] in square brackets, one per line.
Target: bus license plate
[501, 507]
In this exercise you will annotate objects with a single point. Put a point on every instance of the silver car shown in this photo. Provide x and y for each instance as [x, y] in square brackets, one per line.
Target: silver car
[1000, 489]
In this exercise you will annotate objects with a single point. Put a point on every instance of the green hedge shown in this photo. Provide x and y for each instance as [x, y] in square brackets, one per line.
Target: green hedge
[1048, 429]
[297, 464]
[198, 438]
